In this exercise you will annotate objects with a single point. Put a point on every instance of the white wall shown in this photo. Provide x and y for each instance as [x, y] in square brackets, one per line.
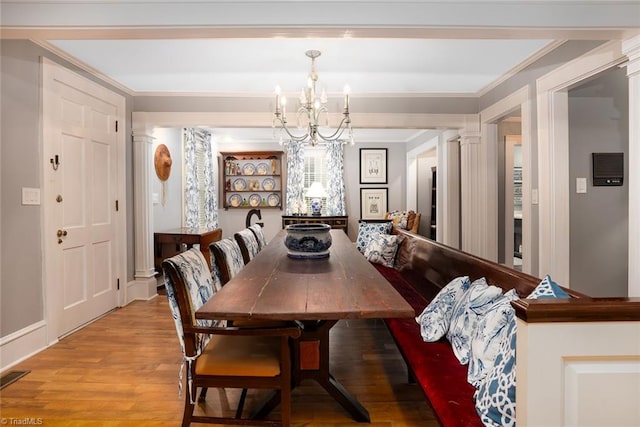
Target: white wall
[233, 221]
[168, 216]
[396, 180]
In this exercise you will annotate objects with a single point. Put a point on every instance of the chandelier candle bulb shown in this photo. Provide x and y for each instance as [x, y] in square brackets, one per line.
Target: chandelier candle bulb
[346, 97]
[277, 99]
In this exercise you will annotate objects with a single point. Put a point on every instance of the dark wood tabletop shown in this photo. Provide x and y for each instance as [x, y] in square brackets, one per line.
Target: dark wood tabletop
[273, 286]
[316, 292]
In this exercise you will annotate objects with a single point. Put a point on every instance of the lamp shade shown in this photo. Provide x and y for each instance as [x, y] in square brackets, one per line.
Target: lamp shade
[316, 190]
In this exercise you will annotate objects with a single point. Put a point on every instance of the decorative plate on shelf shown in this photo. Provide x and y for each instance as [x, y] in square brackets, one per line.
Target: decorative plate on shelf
[248, 169]
[268, 184]
[239, 184]
[235, 200]
[262, 169]
[273, 199]
[254, 200]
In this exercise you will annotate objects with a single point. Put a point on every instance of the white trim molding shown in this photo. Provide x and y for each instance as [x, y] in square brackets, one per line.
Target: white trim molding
[631, 48]
[472, 191]
[23, 344]
[145, 284]
[553, 154]
[448, 189]
[519, 99]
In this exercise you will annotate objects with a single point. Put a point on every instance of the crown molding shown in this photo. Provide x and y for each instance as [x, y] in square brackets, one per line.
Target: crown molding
[83, 66]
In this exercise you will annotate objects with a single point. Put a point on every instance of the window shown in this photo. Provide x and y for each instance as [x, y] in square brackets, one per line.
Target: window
[315, 169]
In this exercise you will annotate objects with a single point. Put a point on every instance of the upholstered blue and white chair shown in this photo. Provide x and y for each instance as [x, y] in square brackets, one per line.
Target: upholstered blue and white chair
[227, 258]
[249, 246]
[257, 230]
[219, 356]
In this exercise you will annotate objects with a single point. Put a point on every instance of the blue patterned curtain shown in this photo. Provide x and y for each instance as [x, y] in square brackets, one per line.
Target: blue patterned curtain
[335, 179]
[295, 178]
[201, 204]
[191, 179]
[210, 199]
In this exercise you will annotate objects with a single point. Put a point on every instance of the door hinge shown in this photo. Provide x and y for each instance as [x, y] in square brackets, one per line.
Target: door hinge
[116, 126]
[117, 206]
[118, 284]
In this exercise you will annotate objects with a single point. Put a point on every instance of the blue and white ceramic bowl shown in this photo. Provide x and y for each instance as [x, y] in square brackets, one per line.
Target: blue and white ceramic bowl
[308, 240]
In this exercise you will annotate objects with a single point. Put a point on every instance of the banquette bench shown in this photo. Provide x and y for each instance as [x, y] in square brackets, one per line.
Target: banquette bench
[423, 267]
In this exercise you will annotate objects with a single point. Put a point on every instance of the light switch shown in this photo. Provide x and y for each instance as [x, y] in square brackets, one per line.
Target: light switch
[156, 198]
[30, 196]
[581, 185]
[534, 196]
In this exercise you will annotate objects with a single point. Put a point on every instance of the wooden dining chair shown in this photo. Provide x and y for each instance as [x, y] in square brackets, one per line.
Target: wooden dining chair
[257, 230]
[249, 246]
[220, 356]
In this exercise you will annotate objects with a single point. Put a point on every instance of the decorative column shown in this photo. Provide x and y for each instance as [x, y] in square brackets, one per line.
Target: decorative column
[448, 189]
[145, 284]
[471, 190]
[631, 48]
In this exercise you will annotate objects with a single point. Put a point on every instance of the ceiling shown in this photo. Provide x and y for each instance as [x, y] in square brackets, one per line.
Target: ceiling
[245, 48]
[370, 66]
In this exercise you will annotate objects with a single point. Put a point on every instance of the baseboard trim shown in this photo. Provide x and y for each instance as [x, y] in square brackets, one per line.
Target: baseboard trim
[22, 344]
[141, 289]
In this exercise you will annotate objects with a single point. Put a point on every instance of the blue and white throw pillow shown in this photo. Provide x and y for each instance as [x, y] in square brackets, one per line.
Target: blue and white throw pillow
[547, 289]
[466, 314]
[367, 229]
[496, 396]
[382, 249]
[485, 341]
[435, 318]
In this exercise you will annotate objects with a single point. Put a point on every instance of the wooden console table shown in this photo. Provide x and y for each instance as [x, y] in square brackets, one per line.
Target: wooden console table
[171, 242]
[339, 222]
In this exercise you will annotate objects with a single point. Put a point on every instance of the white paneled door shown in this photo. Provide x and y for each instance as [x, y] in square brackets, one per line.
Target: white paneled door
[81, 192]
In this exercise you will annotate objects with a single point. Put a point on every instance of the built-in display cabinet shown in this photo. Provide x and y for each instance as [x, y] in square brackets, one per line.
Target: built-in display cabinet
[252, 179]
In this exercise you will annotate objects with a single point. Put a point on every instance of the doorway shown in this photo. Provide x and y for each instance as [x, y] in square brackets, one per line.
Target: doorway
[83, 234]
[513, 201]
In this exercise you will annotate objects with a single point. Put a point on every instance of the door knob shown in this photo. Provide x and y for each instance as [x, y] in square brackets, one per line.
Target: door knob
[61, 233]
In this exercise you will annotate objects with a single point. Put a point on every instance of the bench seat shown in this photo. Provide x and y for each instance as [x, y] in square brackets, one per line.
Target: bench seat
[433, 365]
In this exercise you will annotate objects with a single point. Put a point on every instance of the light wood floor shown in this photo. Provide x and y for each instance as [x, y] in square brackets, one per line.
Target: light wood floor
[122, 370]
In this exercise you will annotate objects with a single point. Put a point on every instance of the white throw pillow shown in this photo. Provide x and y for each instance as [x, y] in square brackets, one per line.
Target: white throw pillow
[436, 317]
[382, 249]
[365, 231]
[466, 314]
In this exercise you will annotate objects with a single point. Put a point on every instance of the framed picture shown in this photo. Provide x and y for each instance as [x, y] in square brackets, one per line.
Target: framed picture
[373, 166]
[373, 203]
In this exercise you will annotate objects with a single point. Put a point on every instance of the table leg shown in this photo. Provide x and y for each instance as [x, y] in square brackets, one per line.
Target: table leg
[311, 361]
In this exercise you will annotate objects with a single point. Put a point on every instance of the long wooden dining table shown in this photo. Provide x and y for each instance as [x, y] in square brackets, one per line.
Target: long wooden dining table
[315, 292]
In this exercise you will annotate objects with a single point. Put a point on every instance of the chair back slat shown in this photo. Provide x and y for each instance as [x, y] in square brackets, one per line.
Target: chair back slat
[227, 257]
[249, 246]
[259, 233]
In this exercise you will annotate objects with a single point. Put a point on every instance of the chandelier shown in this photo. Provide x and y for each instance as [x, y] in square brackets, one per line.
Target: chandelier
[311, 107]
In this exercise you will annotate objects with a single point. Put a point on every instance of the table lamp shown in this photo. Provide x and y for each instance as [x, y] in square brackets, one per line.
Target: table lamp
[316, 193]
